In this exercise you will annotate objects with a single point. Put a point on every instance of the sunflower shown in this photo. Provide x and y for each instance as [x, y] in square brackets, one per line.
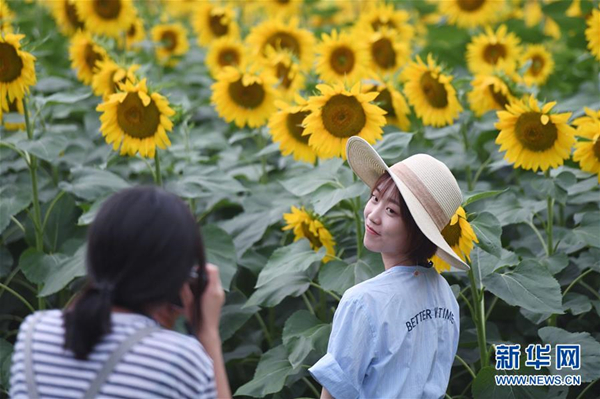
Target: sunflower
[532, 13]
[587, 153]
[181, 8]
[85, 54]
[6, 18]
[459, 234]
[17, 70]
[592, 33]
[387, 54]
[392, 102]
[532, 137]
[287, 73]
[170, 43]
[211, 22]
[136, 120]
[223, 52]
[341, 56]
[243, 97]
[65, 15]
[282, 8]
[551, 28]
[470, 13]
[286, 129]
[338, 114]
[380, 15]
[430, 92]
[574, 9]
[14, 106]
[283, 35]
[108, 77]
[493, 50]
[489, 92]
[541, 66]
[305, 225]
[106, 17]
[135, 34]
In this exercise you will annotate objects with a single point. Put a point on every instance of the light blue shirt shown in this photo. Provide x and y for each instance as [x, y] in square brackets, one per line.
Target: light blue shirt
[393, 336]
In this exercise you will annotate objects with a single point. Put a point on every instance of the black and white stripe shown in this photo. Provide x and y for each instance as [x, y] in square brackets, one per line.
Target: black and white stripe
[165, 364]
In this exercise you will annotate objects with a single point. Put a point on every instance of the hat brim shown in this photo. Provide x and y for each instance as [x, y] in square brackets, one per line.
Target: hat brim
[369, 166]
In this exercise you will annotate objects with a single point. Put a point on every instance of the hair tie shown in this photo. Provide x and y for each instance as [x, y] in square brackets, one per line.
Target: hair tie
[104, 287]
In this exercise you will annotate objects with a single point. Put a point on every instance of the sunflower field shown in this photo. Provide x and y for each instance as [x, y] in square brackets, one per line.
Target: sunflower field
[243, 109]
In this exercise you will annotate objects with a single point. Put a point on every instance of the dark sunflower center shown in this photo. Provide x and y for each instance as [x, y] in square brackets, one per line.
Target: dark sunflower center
[384, 100]
[107, 9]
[91, 56]
[135, 119]
[216, 26]
[169, 40]
[251, 96]
[493, 52]
[342, 60]
[283, 41]
[283, 1]
[228, 56]
[71, 13]
[293, 122]
[470, 5]
[10, 63]
[378, 23]
[499, 98]
[283, 74]
[597, 149]
[383, 53]
[537, 64]
[534, 135]
[343, 116]
[314, 240]
[451, 233]
[434, 91]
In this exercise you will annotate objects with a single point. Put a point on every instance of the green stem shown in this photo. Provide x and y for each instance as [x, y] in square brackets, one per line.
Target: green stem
[49, 210]
[582, 275]
[18, 296]
[466, 366]
[157, 174]
[480, 170]
[359, 232]
[39, 234]
[489, 311]
[590, 289]
[460, 294]
[550, 206]
[463, 132]
[263, 326]
[308, 305]
[18, 223]
[582, 394]
[311, 387]
[479, 319]
[326, 291]
[538, 234]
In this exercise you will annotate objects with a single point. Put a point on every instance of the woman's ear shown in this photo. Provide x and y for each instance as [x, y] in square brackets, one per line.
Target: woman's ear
[166, 314]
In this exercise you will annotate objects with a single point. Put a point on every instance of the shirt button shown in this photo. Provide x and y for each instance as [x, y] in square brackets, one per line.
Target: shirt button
[416, 272]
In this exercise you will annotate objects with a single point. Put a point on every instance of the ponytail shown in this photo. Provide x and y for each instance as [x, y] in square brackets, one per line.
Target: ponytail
[89, 319]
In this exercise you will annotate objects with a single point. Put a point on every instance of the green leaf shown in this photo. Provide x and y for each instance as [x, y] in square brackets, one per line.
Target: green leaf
[328, 196]
[555, 263]
[48, 148]
[37, 266]
[590, 351]
[393, 145]
[220, 251]
[588, 230]
[89, 215]
[530, 285]
[488, 231]
[199, 186]
[484, 385]
[6, 350]
[510, 210]
[67, 270]
[249, 227]
[306, 183]
[338, 276]
[477, 196]
[303, 333]
[92, 184]
[288, 273]
[271, 373]
[65, 98]
[577, 303]
[233, 315]
[483, 263]
[13, 199]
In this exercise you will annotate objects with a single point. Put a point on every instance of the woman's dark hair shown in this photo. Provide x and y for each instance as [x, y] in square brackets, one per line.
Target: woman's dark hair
[420, 248]
[141, 248]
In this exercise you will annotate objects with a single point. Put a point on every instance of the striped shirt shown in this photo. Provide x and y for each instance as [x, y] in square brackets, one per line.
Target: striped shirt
[164, 364]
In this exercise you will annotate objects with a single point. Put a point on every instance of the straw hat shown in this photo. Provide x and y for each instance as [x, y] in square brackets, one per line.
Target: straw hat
[428, 187]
